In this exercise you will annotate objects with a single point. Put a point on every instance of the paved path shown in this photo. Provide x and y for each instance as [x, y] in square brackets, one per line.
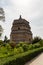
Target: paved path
[37, 61]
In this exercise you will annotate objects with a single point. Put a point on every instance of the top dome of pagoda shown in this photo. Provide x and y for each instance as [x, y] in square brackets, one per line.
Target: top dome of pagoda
[20, 20]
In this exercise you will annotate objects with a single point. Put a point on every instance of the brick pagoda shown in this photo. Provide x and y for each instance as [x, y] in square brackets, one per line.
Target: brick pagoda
[21, 31]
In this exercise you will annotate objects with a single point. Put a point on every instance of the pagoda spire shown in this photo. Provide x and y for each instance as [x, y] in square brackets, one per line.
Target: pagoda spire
[20, 17]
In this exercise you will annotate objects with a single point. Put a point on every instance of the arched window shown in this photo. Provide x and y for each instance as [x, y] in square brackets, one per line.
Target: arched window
[18, 28]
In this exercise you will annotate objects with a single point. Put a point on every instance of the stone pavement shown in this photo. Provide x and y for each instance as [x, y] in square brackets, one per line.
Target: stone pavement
[36, 61]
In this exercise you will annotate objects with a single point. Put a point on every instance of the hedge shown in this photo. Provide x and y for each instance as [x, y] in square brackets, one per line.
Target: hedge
[22, 58]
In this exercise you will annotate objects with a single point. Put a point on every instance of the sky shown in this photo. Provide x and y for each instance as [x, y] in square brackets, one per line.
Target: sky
[31, 10]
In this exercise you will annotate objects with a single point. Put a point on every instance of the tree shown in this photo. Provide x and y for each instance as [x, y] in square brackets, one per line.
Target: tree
[36, 39]
[5, 39]
[1, 30]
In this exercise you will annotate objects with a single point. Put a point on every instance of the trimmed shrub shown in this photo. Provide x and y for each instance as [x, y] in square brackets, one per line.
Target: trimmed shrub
[22, 58]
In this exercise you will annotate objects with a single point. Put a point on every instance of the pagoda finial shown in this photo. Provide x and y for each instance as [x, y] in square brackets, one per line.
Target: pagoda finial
[20, 17]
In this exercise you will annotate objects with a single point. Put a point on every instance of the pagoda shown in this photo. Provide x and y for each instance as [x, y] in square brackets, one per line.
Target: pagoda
[21, 31]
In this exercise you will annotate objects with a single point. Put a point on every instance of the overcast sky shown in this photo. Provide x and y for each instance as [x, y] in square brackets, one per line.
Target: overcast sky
[31, 10]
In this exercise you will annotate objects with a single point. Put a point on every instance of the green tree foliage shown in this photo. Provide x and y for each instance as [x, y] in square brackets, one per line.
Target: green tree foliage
[36, 39]
[5, 39]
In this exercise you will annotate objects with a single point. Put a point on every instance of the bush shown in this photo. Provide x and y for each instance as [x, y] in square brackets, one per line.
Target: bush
[21, 59]
[12, 54]
[1, 42]
[41, 43]
[30, 47]
[20, 49]
[16, 51]
[25, 47]
[36, 45]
